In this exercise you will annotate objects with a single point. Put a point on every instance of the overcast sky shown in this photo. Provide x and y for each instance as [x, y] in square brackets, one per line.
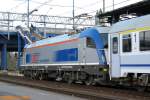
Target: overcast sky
[60, 7]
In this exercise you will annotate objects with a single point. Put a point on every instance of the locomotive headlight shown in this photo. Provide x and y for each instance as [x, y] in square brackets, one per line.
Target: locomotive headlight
[105, 70]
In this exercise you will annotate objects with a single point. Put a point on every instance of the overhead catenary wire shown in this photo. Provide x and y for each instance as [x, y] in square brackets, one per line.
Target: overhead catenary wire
[16, 6]
[83, 7]
[49, 10]
[117, 3]
[43, 4]
[91, 4]
[94, 11]
[54, 5]
[110, 6]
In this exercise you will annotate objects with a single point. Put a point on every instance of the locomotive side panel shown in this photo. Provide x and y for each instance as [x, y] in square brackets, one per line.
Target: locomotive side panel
[58, 53]
[69, 53]
[91, 56]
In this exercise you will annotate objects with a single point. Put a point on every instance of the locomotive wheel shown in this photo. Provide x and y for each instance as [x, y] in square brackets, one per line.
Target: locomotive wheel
[41, 77]
[32, 75]
[69, 79]
[89, 80]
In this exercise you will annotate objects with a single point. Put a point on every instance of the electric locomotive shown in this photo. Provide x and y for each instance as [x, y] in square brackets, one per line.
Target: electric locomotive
[68, 57]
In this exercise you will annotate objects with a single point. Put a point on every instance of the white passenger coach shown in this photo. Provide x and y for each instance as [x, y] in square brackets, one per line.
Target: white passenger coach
[129, 47]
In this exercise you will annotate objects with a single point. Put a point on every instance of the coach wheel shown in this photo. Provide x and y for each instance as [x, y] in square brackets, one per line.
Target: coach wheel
[141, 88]
[89, 80]
[142, 82]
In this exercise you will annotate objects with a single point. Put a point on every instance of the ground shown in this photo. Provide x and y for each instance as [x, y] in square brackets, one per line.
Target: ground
[13, 92]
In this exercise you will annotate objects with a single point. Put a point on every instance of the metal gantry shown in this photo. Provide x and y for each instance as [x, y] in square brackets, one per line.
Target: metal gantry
[9, 19]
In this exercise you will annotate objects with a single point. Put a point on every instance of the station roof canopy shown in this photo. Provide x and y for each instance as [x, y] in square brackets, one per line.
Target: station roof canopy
[140, 8]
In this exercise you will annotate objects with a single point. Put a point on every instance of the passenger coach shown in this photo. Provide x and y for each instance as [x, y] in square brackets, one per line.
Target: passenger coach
[129, 49]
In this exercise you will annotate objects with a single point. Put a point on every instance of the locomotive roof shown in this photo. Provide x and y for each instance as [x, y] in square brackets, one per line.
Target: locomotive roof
[52, 40]
[63, 38]
[131, 24]
[103, 29]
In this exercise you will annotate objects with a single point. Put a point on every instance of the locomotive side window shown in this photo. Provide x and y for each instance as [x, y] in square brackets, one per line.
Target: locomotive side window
[126, 43]
[115, 45]
[90, 43]
[144, 40]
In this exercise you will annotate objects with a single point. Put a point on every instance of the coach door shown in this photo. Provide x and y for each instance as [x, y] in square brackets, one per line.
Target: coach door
[115, 57]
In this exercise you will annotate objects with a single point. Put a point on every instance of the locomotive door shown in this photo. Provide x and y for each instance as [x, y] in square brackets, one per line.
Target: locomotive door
[115, 57]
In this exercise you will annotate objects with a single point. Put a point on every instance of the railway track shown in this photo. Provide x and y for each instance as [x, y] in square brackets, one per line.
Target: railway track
[89, 92]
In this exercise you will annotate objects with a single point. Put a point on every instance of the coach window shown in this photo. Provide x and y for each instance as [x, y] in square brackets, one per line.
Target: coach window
[126, 43]
[144, 40]
[115, 45]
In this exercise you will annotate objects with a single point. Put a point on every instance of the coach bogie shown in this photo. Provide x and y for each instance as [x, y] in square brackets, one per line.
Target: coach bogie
[143, 80]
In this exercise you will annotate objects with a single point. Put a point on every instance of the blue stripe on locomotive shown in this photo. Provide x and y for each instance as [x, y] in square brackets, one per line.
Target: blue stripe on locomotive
[67, 55]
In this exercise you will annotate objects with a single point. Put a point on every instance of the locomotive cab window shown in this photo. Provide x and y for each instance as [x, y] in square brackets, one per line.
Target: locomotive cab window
[126, 43]
[144, 40]
[104, 39]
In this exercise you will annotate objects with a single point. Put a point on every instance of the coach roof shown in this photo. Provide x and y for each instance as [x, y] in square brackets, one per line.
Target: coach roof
[131, 24]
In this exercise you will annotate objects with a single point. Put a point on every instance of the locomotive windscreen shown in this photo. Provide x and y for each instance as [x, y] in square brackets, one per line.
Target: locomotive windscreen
[105, 39]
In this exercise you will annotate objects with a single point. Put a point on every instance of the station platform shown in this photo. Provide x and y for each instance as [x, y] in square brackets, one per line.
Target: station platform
[26, 93]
